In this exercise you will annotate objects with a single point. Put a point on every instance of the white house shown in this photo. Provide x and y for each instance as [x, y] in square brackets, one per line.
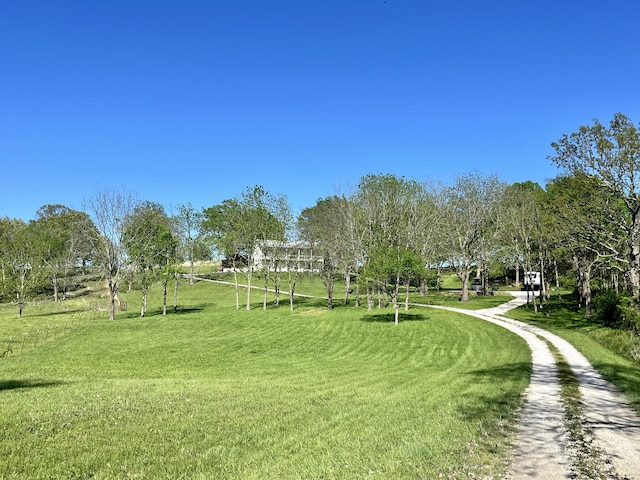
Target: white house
[284, 256]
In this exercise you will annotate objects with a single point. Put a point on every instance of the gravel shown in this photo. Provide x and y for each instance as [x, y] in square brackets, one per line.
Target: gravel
[608, 446]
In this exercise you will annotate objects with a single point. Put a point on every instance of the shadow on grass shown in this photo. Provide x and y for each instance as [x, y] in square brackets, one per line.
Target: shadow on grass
[18, 384]
[389, 317]
[158, 312]
[70, 311]
[511, 371]
[627, 379]
[495, 408]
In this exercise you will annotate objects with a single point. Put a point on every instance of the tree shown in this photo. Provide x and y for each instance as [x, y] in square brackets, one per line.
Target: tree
[17, 257]
[237, 226]
[9, 229]
[520, 227]
[469, 220]
[392, 266]
[581, 207]
[150, 246]
[189, 231]
[63, 241]
[322, 226]
[388, 208]
[611, 156]
[109, 207]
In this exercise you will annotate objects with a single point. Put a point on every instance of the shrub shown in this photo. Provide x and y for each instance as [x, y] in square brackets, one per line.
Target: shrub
[608, 307]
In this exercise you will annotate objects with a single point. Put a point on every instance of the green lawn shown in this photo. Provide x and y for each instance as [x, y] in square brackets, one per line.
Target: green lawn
[215, 392]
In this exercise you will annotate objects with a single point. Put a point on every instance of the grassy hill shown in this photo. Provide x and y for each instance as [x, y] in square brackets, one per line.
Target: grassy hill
[214, 392]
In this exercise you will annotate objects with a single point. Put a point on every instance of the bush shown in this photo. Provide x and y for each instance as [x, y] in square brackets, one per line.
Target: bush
[630, 317]
[608, 307]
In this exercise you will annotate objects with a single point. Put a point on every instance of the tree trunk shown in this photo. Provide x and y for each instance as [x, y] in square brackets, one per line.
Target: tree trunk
[143, 308]
[330, 292]
[164, 297]
[555, 269]
[407, 284]
[292, 287]
[176, 277]
[54, 281]
[347, 286]
[266, 287]
[463, 275]
[634, 267]
[396, 313]
[249, 275]
[113, 293]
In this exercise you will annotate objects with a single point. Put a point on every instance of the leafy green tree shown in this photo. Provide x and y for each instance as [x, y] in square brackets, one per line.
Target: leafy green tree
[389, 208]
[581, 207]
[237, 226]
[391, 267]
[330, 226]
[63, 241]
[18, 277]
[8, 231]
[610, 155]
[150, 246]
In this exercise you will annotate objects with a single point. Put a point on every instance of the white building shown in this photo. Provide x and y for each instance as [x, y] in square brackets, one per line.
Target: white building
[284, 256]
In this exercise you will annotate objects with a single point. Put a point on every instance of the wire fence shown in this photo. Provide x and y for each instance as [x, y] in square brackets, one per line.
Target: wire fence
[32, 339]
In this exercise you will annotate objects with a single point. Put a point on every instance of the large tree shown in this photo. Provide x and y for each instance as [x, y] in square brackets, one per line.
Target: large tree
[582, 208]
[64, 240]
[389, 209]
[469, 221]
[611, 156]
[328, 228]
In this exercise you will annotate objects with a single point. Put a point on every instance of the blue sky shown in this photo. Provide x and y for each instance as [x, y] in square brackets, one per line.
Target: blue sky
[194, 101]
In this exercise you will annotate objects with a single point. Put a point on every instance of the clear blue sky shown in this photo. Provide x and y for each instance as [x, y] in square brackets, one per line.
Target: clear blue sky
[193, 101]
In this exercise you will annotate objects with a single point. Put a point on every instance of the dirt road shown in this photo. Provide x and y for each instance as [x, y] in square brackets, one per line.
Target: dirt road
[606, 444]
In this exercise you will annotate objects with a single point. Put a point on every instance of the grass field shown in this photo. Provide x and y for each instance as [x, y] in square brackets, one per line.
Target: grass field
[214, 392]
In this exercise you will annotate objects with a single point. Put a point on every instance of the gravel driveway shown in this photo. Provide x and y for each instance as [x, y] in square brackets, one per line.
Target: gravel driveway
[609, 443]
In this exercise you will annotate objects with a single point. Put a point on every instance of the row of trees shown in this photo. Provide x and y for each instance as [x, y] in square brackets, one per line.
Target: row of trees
[117, 237]
[387, 233]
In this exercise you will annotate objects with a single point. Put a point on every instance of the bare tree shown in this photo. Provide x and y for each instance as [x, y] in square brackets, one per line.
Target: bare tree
[109, 208]
[469, 209]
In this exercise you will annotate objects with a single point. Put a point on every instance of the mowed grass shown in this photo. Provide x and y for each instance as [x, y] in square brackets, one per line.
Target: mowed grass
[211, 392]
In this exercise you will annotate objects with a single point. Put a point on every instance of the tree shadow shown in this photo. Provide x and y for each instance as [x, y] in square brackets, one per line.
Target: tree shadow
[19, 384]
[389, 317]
[71, 311]
[510, 371]
[157, 312]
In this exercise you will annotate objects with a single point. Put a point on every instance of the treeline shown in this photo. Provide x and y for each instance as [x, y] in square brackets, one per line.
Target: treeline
[582, 228]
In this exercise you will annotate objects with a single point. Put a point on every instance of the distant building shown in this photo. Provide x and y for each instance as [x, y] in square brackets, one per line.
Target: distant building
[286, 256]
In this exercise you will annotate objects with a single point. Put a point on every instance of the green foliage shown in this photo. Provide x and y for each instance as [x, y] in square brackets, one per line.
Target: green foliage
[608, 307]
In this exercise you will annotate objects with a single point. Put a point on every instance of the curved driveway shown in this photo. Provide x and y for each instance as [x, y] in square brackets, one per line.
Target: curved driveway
[543, 449]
